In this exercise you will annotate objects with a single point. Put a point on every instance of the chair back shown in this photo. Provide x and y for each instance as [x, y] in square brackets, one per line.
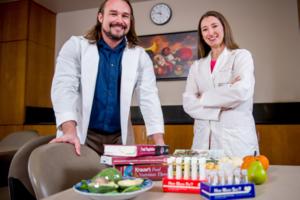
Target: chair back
[18, 179]
[18, 138]
[55, 167]
[8, 147]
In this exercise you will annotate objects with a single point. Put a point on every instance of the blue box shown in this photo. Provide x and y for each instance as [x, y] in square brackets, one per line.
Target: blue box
[216, 192]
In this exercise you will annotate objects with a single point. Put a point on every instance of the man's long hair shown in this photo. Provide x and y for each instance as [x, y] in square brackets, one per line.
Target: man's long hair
[203, 48]
[94, 34]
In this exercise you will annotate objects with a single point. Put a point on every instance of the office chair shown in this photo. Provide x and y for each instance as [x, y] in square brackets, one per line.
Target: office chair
[8, 147]
[55, 167]
[18, 179]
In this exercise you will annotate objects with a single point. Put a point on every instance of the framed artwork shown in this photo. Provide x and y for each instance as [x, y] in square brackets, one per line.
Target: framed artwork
[172, 54]
[299, 12]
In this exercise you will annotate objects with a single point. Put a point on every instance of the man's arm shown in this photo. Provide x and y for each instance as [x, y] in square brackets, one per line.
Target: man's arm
[158, 138]
[149, 102]
[65, 93]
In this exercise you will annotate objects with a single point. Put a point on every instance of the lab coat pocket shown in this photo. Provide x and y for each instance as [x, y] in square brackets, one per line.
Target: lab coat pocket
[223, 78]
[239, 141]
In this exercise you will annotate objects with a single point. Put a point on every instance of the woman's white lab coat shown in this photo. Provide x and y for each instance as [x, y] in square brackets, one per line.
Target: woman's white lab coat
[232, 130]
[74, 82]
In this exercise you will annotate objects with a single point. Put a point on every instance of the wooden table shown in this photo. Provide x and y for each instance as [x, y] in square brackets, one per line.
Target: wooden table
[283, 183]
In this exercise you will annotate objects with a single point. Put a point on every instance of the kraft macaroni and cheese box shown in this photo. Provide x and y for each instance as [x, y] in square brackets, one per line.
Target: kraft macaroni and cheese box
[217, 192]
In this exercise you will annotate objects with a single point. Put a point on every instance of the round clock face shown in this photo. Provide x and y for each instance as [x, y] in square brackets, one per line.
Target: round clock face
[160, 13]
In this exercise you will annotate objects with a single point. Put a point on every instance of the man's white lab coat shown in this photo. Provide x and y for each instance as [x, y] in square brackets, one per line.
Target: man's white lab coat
[74, 85]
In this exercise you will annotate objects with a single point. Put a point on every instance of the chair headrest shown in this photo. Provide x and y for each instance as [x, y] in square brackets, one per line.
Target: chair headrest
[19, 164]
[55, 167]
[18, 138]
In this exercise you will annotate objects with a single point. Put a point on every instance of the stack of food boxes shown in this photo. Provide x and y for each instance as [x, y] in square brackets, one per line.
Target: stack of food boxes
[142, 161]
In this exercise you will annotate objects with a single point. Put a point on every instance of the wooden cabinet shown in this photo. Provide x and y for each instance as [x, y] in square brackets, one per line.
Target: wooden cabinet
[42, 24]
[40, 57]
[27, 41]
[14, 21]
[12, 82]
[40, 68]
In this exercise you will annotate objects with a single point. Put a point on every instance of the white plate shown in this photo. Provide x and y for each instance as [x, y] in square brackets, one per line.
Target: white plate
[147, 185]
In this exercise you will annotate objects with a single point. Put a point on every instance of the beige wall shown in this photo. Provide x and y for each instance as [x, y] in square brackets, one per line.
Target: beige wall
[268, 28]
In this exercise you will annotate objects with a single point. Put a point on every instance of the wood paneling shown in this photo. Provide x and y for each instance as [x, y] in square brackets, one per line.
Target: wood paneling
[140, 134]
[6, 130]
[179, 136]
[280, 143]
[176, 136]
[14, 20]
[12, 82]
[40, 67]
[26, 60]
[42, 24]
[42, 129]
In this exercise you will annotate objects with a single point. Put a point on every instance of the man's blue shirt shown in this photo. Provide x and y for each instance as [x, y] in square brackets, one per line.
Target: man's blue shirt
[105, 115]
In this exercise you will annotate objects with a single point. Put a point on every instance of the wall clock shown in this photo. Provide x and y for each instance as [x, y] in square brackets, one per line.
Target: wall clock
[160, 13]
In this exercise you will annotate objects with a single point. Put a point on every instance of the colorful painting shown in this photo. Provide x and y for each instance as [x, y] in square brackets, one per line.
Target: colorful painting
[172, 53]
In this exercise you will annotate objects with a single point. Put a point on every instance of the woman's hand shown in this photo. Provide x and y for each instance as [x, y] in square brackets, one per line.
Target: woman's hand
[234, 80]
[198, 95]
[225, 109]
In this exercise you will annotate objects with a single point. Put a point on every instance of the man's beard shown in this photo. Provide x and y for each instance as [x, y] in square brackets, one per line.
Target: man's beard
[112, 36]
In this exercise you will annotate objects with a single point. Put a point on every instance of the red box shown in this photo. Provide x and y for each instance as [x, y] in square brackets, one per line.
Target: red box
[181, 185]
[117, 160]
[154, 172]
[135, 150]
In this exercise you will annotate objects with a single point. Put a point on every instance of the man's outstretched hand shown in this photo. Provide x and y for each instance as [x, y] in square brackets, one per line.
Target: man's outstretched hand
[70, 136]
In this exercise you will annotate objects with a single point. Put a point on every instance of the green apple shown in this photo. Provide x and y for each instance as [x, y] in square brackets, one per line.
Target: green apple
[256, 173]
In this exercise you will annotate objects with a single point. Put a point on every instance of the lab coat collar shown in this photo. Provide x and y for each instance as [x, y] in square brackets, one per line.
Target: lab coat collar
[220, 61]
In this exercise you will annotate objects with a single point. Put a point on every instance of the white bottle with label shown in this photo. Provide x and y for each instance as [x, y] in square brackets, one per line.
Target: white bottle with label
[179, 168]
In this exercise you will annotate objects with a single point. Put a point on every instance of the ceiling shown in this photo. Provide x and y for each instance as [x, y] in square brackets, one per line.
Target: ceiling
[58, 6]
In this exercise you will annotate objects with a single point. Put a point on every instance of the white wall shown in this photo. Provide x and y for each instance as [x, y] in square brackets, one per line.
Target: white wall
[268, 28]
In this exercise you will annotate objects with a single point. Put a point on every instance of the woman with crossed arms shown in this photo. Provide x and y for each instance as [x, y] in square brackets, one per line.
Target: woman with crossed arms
[219, 91]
